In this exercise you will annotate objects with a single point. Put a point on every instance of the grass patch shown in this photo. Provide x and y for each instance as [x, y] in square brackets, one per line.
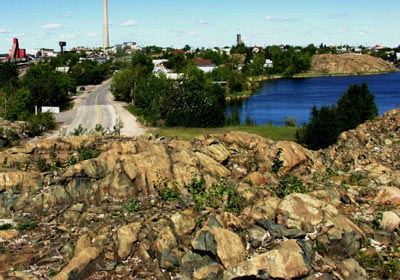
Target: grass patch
[276, 133]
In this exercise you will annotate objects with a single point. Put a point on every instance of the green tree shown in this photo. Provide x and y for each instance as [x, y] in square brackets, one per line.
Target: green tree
[47, 87]
[8, 73]
[196, 103]
[323, 128]
[152, 96]
[20, 105]
[356, 106]
[89, 72]
[177, 62]
[122, 85]
[142, 63]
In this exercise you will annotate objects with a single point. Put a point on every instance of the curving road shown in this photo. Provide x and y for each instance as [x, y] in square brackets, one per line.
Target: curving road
[97, 107]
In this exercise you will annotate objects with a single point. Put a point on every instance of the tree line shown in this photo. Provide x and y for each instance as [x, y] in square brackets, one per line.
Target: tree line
[193, 101]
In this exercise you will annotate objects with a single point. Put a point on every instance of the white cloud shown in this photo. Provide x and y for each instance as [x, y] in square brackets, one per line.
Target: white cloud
[5, 30]
[278, 19]
[93, 34]
[16, 35]
[130, 22]
[203, 21]
[52, 26]
[67, 16]
[67, 36]
[193, 33]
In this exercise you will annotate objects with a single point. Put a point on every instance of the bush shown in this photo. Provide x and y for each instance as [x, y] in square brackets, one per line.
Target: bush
[222, 195]
[233, 118]
[40, 123]
[288, 185]
[27, 224]
[290, 122]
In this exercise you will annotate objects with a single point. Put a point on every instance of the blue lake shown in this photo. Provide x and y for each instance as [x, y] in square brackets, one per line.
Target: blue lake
[282, 98]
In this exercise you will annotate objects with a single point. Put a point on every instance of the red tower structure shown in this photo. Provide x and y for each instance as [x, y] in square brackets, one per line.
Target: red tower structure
[16, 52]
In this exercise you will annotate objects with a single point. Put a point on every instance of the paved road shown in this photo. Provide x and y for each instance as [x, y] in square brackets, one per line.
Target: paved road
[97, 107]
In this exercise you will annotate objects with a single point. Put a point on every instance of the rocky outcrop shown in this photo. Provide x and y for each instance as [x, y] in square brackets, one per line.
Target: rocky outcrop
[349, 64]
[215, 207]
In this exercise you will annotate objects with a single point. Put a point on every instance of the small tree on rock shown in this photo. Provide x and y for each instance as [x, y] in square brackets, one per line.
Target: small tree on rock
[356, 106]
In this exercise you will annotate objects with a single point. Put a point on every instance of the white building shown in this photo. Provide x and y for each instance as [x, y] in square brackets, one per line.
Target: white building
[268, 63]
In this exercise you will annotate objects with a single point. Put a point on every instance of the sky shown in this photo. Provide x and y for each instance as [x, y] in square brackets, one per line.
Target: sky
[199, 23]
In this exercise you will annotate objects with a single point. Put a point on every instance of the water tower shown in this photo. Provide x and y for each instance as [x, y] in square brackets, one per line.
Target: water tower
[62, 45]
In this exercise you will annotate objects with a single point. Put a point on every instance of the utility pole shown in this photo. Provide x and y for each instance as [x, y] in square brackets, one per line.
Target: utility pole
[106, 42]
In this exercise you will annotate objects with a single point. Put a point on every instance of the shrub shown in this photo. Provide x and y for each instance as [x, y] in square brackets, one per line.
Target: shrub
[290, 122]
[132, 205]
[87, 152]
[249, 121]
[78, 131]
[169, 193]
[288, 185]
[222, 195]
[277, 163]
[233, 118]
[40, 123]
[27, 224]
[6, 226]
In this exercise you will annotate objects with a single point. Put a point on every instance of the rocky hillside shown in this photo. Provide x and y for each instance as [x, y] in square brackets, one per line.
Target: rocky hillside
[232, 206]
[349, 64]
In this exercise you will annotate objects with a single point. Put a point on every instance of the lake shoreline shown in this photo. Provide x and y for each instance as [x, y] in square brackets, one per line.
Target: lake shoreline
[294, 97]
[256, 81]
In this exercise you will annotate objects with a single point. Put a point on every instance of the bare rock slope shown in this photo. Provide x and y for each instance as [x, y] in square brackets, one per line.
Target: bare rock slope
[349, 64]
[225, 206]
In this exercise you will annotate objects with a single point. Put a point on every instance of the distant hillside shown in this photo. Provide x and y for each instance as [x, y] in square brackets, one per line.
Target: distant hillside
[349, 64]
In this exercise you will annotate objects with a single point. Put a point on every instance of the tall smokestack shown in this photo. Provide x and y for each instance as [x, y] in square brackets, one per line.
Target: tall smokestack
[106, 42]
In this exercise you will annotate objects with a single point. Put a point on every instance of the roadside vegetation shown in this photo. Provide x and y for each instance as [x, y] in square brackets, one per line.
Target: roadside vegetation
[42, 85]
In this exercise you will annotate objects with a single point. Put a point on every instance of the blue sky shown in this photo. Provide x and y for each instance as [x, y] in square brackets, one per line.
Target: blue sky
[208, 23]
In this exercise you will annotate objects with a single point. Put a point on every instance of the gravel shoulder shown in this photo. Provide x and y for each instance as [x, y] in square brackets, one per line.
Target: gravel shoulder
[131, 125]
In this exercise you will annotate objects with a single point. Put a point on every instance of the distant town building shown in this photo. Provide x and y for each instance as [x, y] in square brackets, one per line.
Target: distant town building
[160, 69]
[226, 50]
[239, 40]
[47, 52]
[16, 53]
[268, 63]
[62, 69]
[256, 49]
[204, 65]
[178, 51]
[127, 47]
[377, 47]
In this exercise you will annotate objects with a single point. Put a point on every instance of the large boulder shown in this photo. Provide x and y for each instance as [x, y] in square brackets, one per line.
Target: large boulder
[286, 262]
[311, 215]
[222, 243]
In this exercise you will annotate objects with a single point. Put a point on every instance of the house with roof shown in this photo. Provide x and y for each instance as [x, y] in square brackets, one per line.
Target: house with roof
[160, 69]
[204, 65]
